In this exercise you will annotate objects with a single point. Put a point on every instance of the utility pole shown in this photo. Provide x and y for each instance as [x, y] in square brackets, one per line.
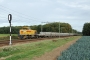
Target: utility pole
[72, 30]
[9, 19]
[41, 27]
[59, 29]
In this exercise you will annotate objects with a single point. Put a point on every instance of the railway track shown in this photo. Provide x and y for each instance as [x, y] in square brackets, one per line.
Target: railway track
[6, 42]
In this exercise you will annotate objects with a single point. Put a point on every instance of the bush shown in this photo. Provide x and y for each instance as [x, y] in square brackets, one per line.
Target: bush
[86, 29]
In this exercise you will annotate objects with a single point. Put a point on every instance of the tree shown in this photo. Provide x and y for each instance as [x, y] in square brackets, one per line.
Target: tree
[49, 27]
[86, 29]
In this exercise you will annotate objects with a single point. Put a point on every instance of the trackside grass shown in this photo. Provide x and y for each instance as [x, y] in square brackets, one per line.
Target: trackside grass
[28, 51]
[6, 36]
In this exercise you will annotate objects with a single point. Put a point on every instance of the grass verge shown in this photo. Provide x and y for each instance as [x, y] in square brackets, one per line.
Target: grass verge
[6, 36]
[28, 51]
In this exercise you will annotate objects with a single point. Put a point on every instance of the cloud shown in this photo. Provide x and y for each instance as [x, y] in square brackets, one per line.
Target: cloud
[4, 24]
[60, 9]
[81, 4]
[37, 11]
[1, 1]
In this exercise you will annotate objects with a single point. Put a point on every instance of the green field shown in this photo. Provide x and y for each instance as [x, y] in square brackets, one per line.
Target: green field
[78, 51]
[28, 51]
[6, 36]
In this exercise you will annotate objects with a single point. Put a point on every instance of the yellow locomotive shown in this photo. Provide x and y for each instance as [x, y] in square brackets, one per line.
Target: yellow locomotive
[26, 32]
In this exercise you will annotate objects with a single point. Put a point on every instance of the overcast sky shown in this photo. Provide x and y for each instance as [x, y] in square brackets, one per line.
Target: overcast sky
[34, 12]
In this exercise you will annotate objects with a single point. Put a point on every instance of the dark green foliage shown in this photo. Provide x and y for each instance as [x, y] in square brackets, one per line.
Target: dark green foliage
[86, 29]
[50, 27]
[78, 51]
[6, 30]
[54, 27]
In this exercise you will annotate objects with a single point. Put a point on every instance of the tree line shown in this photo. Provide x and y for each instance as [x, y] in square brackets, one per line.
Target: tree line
[86, 29]
[49, 27]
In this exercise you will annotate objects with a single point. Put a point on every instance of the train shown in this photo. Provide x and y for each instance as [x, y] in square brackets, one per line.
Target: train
[27, 33]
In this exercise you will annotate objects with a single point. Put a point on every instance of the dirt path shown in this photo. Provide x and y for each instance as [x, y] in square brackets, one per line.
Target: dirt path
[56, 52]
